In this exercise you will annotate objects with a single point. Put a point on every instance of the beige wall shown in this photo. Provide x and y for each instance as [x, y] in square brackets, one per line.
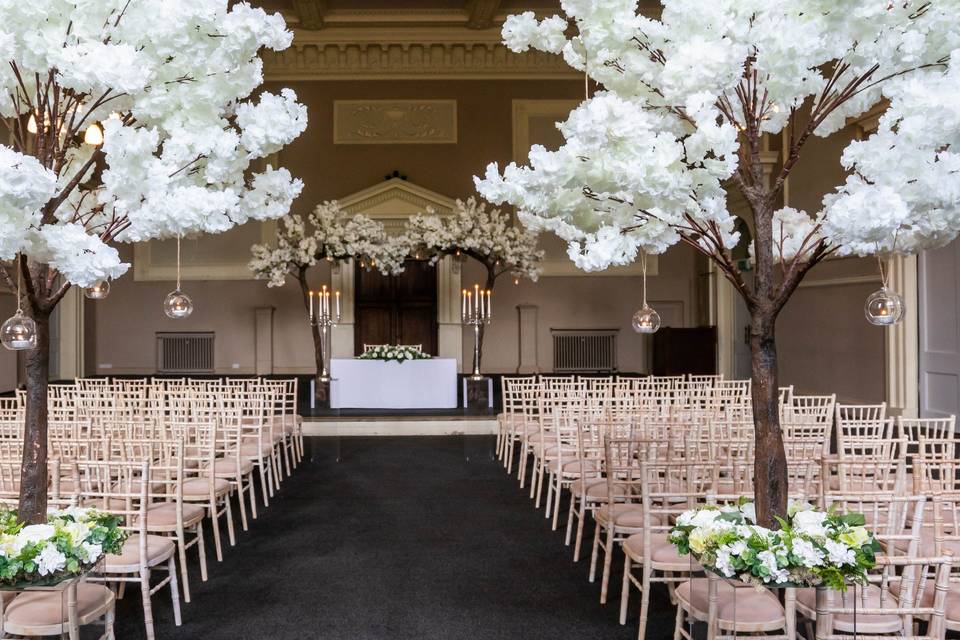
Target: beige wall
[8, 359]
[126, 322]
[825, 343]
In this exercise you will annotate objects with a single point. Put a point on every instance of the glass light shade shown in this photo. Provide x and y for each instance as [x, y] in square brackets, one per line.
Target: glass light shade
[646, 320]
[883, 307]
[177, 305]
[99, 291]
[19, 332]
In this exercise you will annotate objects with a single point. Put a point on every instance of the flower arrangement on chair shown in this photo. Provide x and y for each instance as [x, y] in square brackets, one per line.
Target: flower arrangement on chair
[400, 353]
[812, 547]
[72, 541]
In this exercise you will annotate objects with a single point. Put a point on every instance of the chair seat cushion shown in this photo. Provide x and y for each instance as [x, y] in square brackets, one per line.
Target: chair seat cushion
[624, 516]
[201, 487]
[663, 552]
[596, 488]
[745, 605]
[227, 467]
[576, 467]
[885, 623]
[43, 608]
[253, 450]
[159, 548]
[164, 515]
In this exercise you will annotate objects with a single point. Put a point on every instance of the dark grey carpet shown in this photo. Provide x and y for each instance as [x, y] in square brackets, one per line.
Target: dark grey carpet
[422, 538]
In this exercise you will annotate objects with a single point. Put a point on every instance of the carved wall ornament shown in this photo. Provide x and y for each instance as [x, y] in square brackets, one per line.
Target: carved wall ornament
[395, 122]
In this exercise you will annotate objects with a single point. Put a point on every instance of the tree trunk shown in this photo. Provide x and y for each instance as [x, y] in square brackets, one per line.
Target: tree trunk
[770, 461]
[33, 470]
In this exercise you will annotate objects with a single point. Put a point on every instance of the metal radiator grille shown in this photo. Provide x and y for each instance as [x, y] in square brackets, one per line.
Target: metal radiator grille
[585, 350]
[185, 352]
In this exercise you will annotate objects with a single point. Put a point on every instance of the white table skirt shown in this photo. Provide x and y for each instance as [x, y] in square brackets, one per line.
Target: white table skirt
[378, 384]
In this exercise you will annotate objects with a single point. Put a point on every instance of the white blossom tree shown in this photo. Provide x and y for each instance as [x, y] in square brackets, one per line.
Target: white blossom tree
[329, 234]
[682, 107]
[489, 236]
[161, 90]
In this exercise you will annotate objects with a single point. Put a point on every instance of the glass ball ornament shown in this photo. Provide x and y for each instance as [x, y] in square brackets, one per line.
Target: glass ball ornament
[19, 332]
[646, 320]
[99, 291]
[883, 308]
[177, 305]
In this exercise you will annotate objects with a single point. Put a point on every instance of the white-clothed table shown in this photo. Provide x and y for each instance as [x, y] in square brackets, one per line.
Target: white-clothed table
[380, 384]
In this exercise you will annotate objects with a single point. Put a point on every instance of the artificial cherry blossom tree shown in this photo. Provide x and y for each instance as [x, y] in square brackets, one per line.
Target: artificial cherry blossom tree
[489, 236]
[679, 119]
[329, 234]
[161, 90]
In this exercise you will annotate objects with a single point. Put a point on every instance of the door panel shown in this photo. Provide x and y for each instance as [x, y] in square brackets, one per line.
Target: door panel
[939, 296]
[397, 309]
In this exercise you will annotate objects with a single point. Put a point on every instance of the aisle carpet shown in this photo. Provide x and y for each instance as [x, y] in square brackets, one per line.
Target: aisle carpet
[401, 538]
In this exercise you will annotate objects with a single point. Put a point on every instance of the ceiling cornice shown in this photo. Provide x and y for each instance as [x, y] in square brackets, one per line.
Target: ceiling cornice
[407, 52]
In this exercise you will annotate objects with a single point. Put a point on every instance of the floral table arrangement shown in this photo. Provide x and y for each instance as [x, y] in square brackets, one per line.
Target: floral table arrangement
[72, 541]
[400, 353]
[811, 548]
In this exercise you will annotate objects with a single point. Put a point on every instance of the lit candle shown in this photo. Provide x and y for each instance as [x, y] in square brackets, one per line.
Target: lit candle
[311, 305]
[479, 300]
[489, 303]
[463, 304]
[338, 305]
[469, 304]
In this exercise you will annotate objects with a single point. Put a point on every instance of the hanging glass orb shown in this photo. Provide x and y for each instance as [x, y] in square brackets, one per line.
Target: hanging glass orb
[177, 305]
[19, 332]
[883, 307]
[99, 291]
[646, 320]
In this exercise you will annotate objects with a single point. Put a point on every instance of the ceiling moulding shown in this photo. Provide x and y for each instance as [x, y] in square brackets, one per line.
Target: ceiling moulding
[397, 53]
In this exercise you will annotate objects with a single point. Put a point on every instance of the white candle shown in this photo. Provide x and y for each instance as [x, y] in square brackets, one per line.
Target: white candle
[469, 304]
[489, 303]
[338, 305]
[463, 304]
[311, 305]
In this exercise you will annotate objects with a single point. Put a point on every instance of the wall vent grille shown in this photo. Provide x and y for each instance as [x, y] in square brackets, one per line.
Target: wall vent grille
[578, 350]
[183, 352]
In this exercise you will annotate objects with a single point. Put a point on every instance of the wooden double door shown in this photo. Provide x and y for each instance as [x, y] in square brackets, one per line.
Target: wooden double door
[397, 309]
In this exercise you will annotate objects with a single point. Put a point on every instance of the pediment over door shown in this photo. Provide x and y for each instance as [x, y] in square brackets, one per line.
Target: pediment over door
[393, 201]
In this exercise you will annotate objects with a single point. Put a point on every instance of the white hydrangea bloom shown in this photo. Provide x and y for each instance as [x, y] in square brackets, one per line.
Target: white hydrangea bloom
[839, 553]
[647, 160]
[50, 560]
[170, 83]
[327, 233]
[487, 235]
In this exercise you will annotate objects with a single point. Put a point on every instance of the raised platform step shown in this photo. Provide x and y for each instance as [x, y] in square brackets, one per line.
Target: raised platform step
[401, 424]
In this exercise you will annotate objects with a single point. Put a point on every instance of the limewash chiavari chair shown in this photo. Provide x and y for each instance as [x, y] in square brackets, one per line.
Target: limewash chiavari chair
[123, 489]
[279, 436]
[890, 607]
[667, 490]
[512, 412]
[256, 440]
[229, 464]
[168, 513]
[567, 461]
[292, 422]
[546, 446]
[621, 515]
[201, 485]
[809, 409]
[860, 413]
[896, 521]
[937, 428]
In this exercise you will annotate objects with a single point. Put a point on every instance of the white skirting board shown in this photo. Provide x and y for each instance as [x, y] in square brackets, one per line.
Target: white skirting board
[387, 427]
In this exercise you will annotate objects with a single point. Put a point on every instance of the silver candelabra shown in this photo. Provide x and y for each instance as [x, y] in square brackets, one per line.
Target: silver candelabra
[475, 311]
[325, 317]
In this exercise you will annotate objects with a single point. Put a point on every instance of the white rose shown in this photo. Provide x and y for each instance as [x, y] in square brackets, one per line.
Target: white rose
[704, 517]
[37, 533]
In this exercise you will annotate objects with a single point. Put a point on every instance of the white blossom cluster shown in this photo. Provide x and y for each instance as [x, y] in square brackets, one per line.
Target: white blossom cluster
[397, 353]
[813, 547]
[170, 82]
[647, 158]
[327, 233]
[473, 229]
